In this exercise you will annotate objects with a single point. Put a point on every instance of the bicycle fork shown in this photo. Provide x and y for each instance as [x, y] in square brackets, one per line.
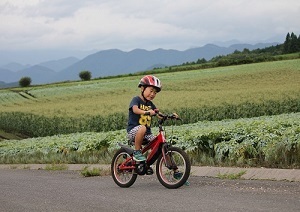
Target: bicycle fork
[168, 159]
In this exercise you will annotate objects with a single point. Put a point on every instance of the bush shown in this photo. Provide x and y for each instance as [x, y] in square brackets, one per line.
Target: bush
[25, 81]
[85, 75]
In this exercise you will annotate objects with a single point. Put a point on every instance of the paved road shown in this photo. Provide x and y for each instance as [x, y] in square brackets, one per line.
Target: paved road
[41, 190]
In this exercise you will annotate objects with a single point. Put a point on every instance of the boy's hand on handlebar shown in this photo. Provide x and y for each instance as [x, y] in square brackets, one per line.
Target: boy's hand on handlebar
[175, 116]
[152, 112]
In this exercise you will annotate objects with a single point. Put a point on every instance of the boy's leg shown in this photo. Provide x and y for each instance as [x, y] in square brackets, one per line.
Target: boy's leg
[137, 134]
[139, 137]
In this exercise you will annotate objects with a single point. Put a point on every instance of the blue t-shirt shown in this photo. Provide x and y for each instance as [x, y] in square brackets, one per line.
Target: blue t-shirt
[135, 119]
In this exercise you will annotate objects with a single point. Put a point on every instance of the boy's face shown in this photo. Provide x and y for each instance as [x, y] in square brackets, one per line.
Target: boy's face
[149, 93]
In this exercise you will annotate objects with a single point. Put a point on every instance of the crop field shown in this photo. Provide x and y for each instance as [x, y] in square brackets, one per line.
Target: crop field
[253, 83]
[270, 141]
[235, 115]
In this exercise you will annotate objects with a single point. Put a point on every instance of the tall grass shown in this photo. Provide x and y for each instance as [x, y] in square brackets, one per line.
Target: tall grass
[40, 126]
[72, 157]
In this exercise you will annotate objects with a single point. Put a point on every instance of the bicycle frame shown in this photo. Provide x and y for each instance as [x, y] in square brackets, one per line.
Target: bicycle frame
[156, 146]
[172, 163]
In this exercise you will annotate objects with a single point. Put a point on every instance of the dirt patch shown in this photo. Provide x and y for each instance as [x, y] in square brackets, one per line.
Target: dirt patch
[11, 136]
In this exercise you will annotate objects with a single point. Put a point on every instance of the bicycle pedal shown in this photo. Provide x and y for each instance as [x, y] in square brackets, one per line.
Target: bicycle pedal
[149, 171]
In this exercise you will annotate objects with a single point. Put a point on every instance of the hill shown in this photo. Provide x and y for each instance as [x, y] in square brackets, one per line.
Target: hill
[37, 73]
[58, 65]
[41, 73]
[115, 62]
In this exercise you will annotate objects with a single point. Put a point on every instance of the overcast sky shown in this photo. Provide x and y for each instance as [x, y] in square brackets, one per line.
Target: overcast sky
[147, 24]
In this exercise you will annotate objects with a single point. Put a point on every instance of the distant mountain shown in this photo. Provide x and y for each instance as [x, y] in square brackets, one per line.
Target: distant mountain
[41, 73]
[8, 85]
[252, 47]
[34, 56]
[7, 75]
[58, 65]
[15, 66]
[38, 75]
[113, 62]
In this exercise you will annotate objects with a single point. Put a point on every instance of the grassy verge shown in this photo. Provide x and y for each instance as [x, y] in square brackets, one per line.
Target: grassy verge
[56, 167]
[88, 172]
[231, 176]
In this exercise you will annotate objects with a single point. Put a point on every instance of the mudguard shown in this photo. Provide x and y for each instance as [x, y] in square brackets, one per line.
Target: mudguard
[127, 148]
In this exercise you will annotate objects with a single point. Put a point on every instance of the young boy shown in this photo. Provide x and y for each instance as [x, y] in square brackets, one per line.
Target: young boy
[141, 109]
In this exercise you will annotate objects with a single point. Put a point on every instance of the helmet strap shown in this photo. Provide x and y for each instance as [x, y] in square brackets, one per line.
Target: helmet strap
[144, 88]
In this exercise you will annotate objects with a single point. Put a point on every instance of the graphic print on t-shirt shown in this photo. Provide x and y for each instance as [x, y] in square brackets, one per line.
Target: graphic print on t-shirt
[145, 119]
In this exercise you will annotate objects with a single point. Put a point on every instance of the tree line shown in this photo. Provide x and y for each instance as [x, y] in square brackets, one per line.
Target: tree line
[290, 45]
[83, 75]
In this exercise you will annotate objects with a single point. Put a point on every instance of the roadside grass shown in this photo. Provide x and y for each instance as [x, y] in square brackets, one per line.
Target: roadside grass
[88, 172]
[56, 167]
[72, 157]
[232, 176]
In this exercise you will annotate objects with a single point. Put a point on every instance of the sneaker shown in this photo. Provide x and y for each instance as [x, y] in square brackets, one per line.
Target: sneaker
[177, 175]
[138, 156]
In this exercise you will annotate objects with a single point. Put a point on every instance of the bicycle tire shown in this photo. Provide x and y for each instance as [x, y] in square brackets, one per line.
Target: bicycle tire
[125, 178]
[166, 175]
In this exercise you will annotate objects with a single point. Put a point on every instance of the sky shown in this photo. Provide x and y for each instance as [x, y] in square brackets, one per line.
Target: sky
[85, 25]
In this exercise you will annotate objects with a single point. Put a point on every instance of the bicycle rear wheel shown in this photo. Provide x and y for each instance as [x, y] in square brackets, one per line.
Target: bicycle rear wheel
[123, 178]
[180, 163]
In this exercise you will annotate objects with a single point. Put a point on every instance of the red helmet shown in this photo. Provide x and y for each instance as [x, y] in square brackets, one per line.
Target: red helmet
[150, 80]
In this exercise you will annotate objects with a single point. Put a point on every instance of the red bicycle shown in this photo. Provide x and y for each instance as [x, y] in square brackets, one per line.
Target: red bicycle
[173, 165]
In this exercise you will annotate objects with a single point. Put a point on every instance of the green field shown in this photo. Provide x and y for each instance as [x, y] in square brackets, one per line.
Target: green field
[80, 122]
[268, 88]
[190, 89]
[269, 141]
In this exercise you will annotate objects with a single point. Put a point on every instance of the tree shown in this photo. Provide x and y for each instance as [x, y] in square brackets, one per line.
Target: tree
[25, 81]
[287, 43]
[201, 61]
[291, 44]
[85, 75]
[246, 51]
[294, 44]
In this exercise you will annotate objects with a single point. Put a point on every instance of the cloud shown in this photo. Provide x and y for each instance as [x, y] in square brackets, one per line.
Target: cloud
[177, 24]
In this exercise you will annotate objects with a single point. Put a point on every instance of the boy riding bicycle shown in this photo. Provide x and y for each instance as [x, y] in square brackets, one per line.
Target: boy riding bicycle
[141, 110]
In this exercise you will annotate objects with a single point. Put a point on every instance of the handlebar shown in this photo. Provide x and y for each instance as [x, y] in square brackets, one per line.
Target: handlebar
[171, 116]
[164, 117]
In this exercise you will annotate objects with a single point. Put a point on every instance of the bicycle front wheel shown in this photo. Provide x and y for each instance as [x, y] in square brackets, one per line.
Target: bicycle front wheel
[123, 178]
[176, 173]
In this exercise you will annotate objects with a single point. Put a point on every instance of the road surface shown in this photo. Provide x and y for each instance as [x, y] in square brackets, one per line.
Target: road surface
[41, 190]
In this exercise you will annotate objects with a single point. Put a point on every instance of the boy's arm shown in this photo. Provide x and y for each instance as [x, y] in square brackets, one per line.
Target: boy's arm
[138, 111]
